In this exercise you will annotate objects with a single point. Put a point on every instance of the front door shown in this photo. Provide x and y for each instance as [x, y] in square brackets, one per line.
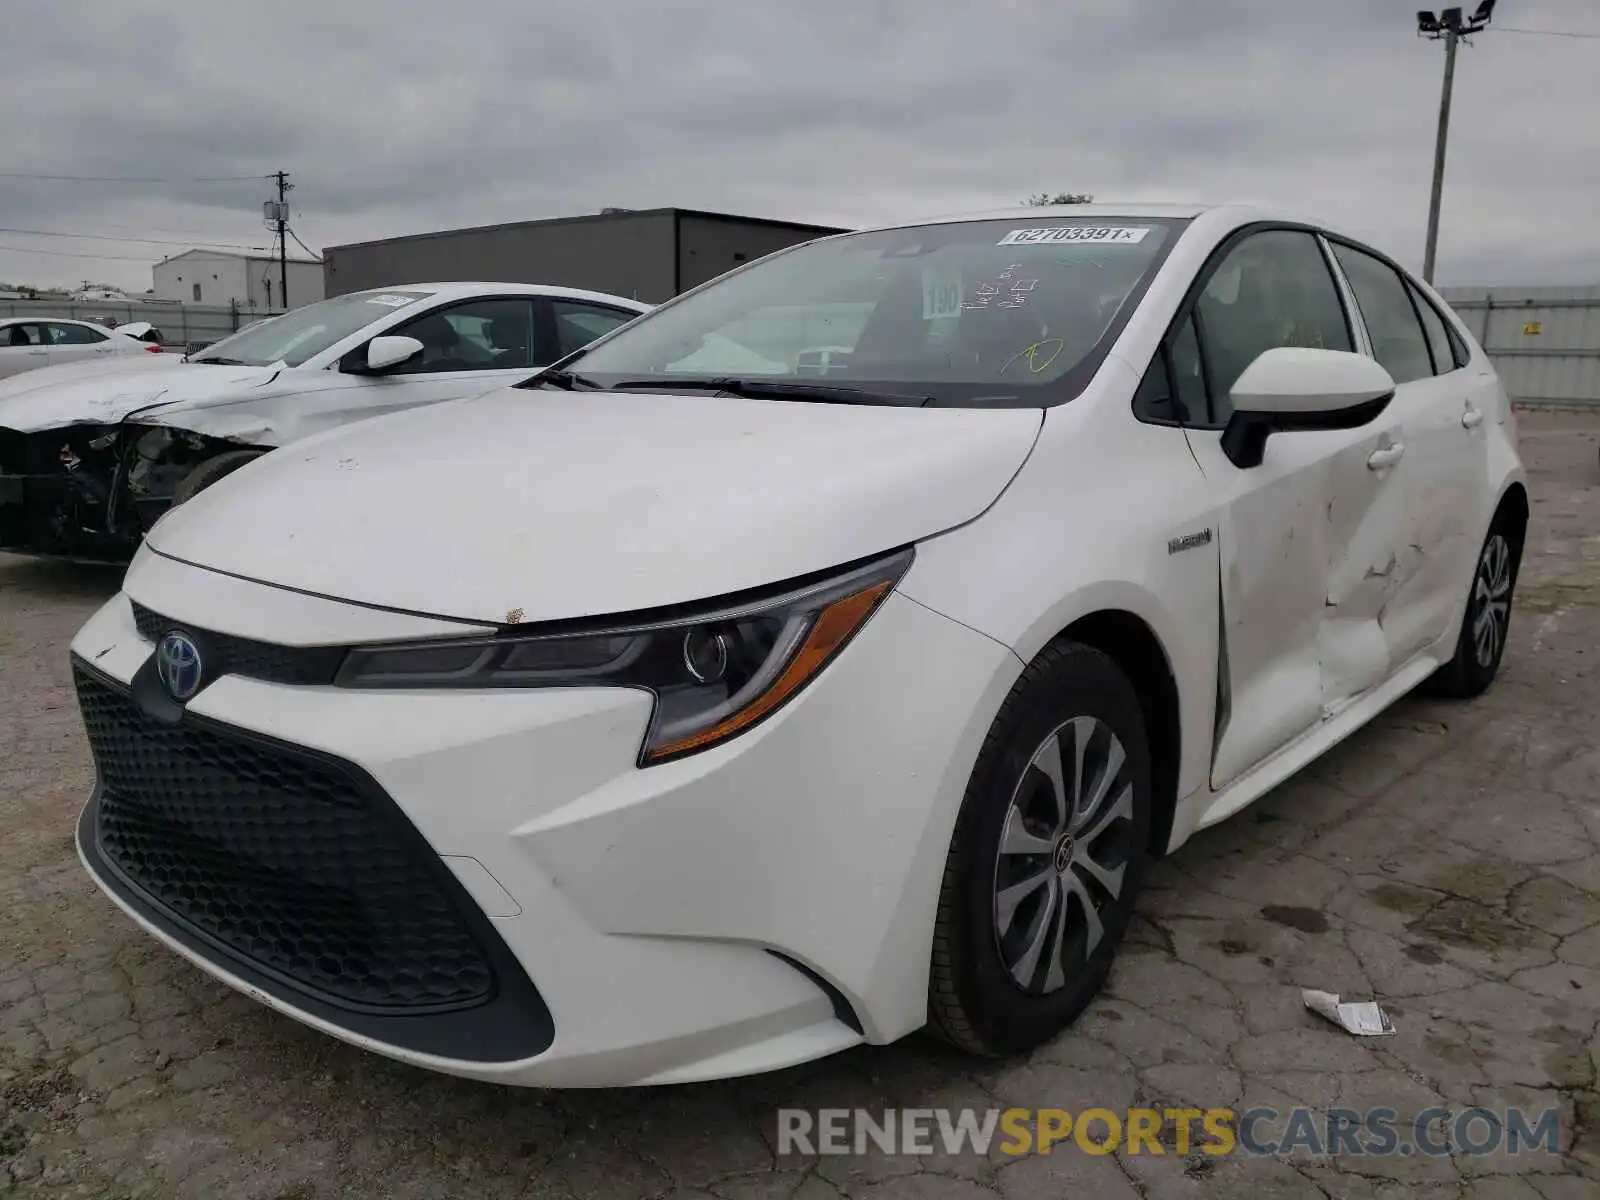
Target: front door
[1301, 530]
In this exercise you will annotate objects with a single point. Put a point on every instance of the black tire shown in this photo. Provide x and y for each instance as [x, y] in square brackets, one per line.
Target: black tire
[209, 471]
[974, 1000]
[1470, 672]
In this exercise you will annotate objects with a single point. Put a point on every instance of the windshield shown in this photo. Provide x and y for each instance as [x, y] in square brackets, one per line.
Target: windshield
[303, 333]
[969, 313]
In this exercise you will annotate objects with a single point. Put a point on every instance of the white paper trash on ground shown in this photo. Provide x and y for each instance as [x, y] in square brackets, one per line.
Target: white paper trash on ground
[1364, 1019]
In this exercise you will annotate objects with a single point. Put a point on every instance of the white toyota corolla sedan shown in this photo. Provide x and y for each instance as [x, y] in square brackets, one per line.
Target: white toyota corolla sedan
[820, 657]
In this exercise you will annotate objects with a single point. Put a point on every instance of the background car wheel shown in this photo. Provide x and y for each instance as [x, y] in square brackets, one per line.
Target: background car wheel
[1487, 623]
[1048, 854]
[209, 471]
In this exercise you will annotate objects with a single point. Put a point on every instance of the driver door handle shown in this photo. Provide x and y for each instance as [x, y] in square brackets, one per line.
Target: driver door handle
[1472, 418]
[1379, 459]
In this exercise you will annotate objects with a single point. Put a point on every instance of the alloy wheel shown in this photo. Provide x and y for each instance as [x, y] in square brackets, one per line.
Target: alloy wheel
[1064, 850]
[1491, 600]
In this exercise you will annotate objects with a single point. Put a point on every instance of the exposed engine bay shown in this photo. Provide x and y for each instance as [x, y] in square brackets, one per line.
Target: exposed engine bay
[91, 492]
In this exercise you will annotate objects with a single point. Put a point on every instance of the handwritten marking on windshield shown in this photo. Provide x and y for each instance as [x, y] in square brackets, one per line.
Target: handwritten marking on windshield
[1032, 353]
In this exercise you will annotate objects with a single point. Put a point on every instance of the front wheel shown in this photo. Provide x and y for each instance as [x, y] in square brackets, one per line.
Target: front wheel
[209, 471]
[1048, 854]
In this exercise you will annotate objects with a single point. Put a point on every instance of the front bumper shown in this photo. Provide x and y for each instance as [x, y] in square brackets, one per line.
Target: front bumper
[751, 907]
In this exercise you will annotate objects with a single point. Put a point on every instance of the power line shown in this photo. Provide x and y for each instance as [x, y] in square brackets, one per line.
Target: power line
[1561, 33]
[144, 258]
[302, 245]
[107, 237]
[132, 178]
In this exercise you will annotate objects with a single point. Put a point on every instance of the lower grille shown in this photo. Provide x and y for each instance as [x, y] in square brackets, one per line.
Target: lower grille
[282, 859]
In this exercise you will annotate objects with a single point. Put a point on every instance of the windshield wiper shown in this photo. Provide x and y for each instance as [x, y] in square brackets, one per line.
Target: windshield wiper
[562, 379]
[777, 389]
[224, 362]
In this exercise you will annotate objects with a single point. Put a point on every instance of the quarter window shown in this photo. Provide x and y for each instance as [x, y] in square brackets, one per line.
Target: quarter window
[1398, 341]
[1273, 289]
[1439, 341]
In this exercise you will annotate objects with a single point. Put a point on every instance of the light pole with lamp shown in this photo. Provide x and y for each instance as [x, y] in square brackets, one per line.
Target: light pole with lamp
[1450, 27]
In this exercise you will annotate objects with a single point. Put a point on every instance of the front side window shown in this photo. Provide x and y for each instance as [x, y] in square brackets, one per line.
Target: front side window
[1273, 289]
[1398, 342]
[972, 312]
[484, 335]
[75, 335]
[303, 333]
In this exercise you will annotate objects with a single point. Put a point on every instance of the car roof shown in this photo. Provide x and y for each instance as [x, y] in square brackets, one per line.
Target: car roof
[1231, 212]
[463, 289]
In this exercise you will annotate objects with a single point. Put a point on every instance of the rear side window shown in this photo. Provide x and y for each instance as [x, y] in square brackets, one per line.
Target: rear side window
[75, 335]
[1445, 359]
[1398, 340]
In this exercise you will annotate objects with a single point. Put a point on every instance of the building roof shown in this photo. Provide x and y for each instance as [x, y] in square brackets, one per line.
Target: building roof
[246, 255]
[610, 214]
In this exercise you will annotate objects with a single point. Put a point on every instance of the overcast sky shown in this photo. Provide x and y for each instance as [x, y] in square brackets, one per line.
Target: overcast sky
[408, 116]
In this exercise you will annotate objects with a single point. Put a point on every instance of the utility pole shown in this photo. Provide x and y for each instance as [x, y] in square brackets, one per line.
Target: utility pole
[284, 187]
[1451, 39]
[1449, 27]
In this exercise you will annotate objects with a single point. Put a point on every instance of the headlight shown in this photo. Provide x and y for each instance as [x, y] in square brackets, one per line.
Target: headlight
[714, 674]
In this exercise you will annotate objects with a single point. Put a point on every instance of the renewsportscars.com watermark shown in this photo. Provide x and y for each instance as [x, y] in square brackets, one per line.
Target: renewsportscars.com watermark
[1374, 1132]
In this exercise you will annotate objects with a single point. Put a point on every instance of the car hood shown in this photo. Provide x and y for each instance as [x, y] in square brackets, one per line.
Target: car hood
[522, 506]
[103, 393]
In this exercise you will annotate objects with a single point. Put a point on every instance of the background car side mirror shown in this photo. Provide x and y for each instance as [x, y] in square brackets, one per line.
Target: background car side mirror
[1295, 388]
[381, 354]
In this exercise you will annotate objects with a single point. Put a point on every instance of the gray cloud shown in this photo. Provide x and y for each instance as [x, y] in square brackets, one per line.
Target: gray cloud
[407, 116]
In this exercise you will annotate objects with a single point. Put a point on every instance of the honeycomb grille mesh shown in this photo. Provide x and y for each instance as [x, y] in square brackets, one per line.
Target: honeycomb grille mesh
[280, 859]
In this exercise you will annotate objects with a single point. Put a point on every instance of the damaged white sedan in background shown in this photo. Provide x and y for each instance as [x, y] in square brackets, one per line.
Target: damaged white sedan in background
[91, 455]
[671, 718]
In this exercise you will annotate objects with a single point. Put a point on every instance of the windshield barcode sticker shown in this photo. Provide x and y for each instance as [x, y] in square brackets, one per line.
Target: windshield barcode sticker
[941, 294]
[391, 301]
[1074, 233]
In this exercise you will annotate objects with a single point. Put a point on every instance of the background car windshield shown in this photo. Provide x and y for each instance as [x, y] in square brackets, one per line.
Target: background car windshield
[303, 333]
[963, 312]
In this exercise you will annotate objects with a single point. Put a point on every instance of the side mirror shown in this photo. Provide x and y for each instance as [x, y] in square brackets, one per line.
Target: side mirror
[1290, 388]
[382, 354]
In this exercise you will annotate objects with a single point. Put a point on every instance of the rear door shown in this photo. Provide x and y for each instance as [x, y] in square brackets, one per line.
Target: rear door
[22, 348]
[1442, 415]
[1299, 626]
[71, 342]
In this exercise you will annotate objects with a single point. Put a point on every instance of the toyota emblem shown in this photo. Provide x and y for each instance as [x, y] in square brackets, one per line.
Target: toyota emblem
[178, 666]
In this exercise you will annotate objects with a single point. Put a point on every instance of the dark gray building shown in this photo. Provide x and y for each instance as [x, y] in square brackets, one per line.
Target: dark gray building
[647, 254]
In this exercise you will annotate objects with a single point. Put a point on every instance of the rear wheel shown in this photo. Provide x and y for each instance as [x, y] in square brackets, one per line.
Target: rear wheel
[1048, 854]
[1487, 622]
[209, 471]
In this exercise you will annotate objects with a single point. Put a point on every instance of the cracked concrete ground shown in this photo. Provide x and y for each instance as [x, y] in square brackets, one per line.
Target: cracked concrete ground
[1445, 860]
